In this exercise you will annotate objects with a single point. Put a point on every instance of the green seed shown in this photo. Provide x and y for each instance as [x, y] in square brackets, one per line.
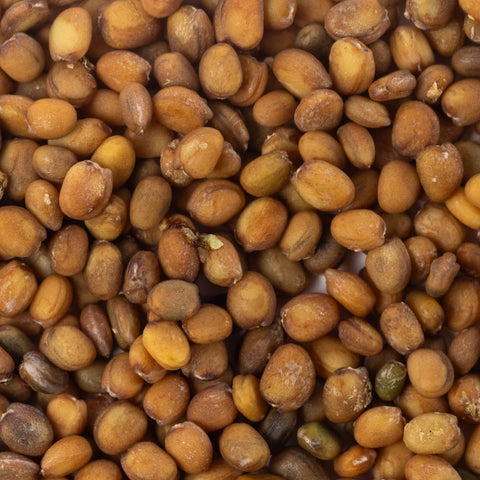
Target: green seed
[390, 380]
[319, 440]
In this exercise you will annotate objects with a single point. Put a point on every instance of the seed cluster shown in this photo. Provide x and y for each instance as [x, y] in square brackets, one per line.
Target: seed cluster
[177, 177]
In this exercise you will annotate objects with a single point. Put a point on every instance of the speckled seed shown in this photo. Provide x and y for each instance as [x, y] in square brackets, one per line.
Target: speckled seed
[25, 429]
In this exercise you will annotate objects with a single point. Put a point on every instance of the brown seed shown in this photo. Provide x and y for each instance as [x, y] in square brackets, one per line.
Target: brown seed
[23, 16]
[85, 137]
[41, 199]
[167, 399]
[379, 427]
[150, 202]
[86, 190]
[14, 464]
[202, 199]
[167, 344]
[41, 375]
[346, 394]
[309, 316]
[73, 83]
[191, 110]
[136, 107]
[318, 145]
[320, 109]
[103, 468]
[255, 77]
[367, 20]
[459, 102]
[442, 273]
[261, 224]
[398, 84]
[67, 347]
[22, 57]
[300, 72]
[199, 151]
[354, 461]
[70, 35]
[117, 68]
[103, 270]
[423, 361]
[274, 108]
[301, 235]
[17, 288]
[221, 261]
[25, 429]
[410, 49]
[288, 379]
[257, 347]
[358, 229]
[220, 71]
[359, 336]
[190, 447]
[243, 447]
[323, 185]
[460, 303]
[351, 66]
[350, 290]
[415, 127]
[432, 433]
[51, 118]
[119, 379]
[436, 466]
[401, 328]
[389, 266]
[21, 235]
[146, 459]
[231, 15]
[247, 398]
[124, 24]
[66, 456]
[119, 426]
[190, 32]
[463, 350]
[439, 225]
[366, 112]
[212, 408]
[463, 398]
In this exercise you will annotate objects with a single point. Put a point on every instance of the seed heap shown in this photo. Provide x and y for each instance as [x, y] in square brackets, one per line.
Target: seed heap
[175, 178]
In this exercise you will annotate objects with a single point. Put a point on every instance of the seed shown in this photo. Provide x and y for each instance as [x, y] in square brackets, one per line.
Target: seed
[319, 440]
[390, 380]
[71, 48]
[243, 447]
[26, 430]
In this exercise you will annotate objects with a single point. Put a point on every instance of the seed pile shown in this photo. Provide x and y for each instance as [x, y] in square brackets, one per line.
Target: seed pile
[175, 178]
